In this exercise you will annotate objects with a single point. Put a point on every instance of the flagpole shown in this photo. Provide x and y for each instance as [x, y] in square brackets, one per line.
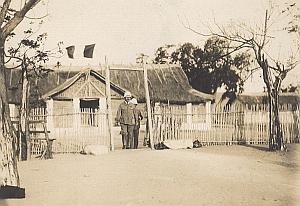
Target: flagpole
[108, 105]
[147, 95]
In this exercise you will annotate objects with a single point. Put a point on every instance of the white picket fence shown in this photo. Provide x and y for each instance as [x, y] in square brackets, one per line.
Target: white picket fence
[71, 132]
[224, 125]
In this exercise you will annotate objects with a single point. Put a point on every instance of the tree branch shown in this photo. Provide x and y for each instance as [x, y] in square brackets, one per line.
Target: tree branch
[4, 11]
[232, 51]
[265, 30]
[15, 67]
[18, 17]
[41, 17]
[12, 56]
[252, 71]
[13, 11]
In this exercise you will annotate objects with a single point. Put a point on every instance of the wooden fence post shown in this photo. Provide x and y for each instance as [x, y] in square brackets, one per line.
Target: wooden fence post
[189, 116]
[49, 114]
[148, 105]
[208, 114]
[108, 103]
[76, 107]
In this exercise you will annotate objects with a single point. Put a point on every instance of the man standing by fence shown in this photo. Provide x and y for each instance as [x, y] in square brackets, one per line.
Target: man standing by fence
[138, 117]
[125, 116]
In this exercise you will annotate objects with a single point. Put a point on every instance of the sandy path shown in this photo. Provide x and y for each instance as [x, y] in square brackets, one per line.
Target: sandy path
[233, 175]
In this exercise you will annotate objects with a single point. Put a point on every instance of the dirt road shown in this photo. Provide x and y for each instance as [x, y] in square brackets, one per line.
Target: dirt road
[224, 175]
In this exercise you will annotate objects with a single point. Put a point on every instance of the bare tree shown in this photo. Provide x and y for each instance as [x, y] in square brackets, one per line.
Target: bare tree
[9, 20]
[279, 21]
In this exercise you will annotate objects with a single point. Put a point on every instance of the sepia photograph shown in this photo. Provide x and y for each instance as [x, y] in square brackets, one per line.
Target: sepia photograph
[149, 103]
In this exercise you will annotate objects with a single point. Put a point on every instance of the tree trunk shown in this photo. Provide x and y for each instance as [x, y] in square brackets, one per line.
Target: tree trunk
[273, 87]
[275, 132]
[24, 115]
[8, 159]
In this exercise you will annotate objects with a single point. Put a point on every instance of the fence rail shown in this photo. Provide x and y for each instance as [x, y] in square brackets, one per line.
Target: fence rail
[71, 131]
[224, 125]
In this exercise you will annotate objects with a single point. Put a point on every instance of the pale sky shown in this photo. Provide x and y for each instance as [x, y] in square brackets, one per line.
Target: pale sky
[121, 29]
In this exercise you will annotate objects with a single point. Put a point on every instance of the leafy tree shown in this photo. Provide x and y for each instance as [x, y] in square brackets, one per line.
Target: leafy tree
[209, 68]
[9, 20]
[265, 42]
[162, 55]
[30, 57]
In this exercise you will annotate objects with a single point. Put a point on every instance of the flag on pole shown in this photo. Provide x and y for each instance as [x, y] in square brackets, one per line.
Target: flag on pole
[70, 51]
[88, 51]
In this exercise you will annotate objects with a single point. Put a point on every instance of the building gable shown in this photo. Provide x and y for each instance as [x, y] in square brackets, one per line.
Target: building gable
[84, 87]
[87, 84]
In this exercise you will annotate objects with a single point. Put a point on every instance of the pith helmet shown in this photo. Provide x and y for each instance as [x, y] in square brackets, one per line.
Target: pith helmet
[134, 101]
[127, 94]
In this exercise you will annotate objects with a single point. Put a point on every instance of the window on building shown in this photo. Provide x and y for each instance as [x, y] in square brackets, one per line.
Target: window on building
[89, 112]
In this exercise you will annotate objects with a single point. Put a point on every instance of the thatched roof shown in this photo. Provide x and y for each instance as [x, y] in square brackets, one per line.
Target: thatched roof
[254, 99]
[167, 83]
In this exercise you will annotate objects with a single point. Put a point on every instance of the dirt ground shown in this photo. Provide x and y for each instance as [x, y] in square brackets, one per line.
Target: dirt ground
[216, 175]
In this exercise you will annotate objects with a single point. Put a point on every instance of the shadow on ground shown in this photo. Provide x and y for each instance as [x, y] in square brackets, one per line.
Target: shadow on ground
[258, 147]
[288, 158]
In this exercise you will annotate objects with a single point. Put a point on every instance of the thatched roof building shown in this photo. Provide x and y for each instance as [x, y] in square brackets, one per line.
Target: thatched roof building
[167, 83]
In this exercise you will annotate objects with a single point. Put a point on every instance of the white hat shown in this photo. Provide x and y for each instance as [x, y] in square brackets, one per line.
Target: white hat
[133, 101]
[127, 94]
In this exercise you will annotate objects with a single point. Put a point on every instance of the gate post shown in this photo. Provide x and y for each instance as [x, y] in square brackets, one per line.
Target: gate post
[148, 105]
[108, 105]
[49, 114]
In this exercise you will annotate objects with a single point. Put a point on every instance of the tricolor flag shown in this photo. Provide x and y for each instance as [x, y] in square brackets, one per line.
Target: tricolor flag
[87, 52]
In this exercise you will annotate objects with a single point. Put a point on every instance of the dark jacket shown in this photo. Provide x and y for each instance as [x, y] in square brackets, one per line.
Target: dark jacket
[138, 117]
[125, 114]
